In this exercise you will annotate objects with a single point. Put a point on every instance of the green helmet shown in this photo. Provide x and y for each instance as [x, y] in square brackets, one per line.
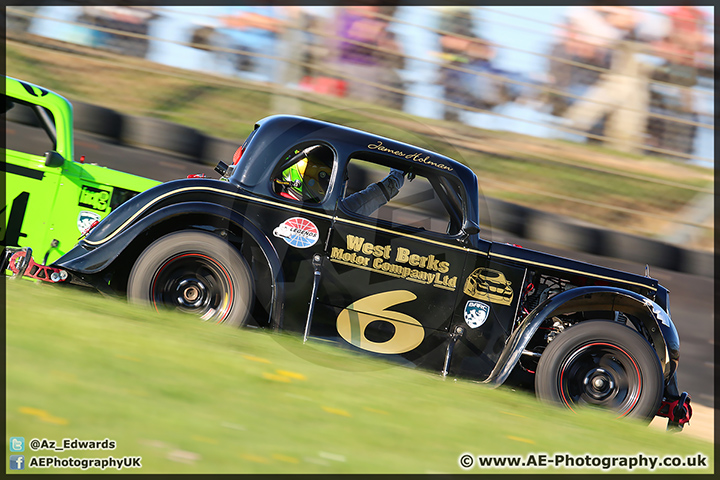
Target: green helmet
[307, 179]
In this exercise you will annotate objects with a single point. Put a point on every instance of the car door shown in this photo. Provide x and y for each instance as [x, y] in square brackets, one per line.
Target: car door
[295, 215]
[31, 185]
[390, 279]
[488, 305]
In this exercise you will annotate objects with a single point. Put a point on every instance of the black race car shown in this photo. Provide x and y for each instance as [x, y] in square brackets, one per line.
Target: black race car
[306, 232]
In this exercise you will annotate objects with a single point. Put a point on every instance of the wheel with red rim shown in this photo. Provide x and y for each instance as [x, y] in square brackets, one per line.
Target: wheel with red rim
[603, 364]
[193, 272]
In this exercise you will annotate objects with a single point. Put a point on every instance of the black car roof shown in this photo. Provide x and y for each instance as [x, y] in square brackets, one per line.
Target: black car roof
[277, 133]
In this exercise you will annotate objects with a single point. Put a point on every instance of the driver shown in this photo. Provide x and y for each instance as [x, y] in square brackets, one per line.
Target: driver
[308, 178]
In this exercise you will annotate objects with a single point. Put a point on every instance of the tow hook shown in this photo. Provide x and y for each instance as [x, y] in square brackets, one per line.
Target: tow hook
[454, 337]
[21, 263]
[678, 412]
[317, 273]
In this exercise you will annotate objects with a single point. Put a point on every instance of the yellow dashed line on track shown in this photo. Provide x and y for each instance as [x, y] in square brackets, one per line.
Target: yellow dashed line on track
[33, 411]
[296, 376]
[337, 411]
[513, 414]
[285, 458]
[256, 359]
[43, 415]
[520, 439]
[254, 458]
[276, 378]
[55, 420]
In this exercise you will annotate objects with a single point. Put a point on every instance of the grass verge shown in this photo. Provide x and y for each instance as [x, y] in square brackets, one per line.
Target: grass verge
[191, 397]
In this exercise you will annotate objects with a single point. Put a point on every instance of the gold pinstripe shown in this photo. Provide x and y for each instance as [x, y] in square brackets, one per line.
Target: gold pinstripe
[268, 202]
[351, 222]
[187, 189]
[555, 267]
[408, 235]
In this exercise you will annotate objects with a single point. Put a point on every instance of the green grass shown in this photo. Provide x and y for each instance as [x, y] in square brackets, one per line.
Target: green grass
[191, 397]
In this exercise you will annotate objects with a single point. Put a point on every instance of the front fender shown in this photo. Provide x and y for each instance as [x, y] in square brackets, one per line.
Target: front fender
[657, 322]
[85, 261]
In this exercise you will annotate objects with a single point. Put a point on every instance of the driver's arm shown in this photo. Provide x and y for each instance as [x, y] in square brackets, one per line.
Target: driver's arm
[366, 201]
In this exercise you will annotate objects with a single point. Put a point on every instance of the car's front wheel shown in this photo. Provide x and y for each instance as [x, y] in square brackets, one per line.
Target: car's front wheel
[604, 364]
[194, 272]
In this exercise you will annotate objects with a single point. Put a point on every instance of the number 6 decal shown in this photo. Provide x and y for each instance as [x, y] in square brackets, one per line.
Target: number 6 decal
[353, 320]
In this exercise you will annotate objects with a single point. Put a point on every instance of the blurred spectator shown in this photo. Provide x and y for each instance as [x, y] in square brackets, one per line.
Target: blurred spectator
[319, 60]
[254, 30]
[316, 49]
[621, 94]
[125, 19]
[283, 55]
[574, 46]
[392, 61]
[362, 34]
[17, 22]
[292, 48]
[462, 49]
[679, 48]
[588, 39]
[203, 36]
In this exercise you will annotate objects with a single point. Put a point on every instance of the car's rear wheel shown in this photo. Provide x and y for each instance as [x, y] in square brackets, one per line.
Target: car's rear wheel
[194, 272]
[604, 364]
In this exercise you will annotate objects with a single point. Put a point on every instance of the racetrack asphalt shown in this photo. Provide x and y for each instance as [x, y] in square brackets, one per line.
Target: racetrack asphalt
[691, 296]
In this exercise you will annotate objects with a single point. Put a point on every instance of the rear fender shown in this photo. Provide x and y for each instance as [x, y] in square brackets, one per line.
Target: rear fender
[655, 320]
[85, 262]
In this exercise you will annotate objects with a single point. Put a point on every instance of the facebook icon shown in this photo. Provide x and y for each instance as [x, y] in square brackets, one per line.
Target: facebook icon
[17, 462]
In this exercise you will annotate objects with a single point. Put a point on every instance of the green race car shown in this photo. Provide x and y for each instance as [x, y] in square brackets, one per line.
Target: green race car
[50, 198]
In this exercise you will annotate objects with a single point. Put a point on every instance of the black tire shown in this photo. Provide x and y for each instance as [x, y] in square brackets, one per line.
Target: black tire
[194, 272]
[98, 120]
[163, 135]
[625, 246]
[217, 149]
[601, 363]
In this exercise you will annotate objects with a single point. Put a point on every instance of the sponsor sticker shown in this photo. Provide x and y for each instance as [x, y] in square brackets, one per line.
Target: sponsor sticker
[476, 313]
[398, 262]
[298, 232]
[489, 285]
[85, 219]
[94, 198]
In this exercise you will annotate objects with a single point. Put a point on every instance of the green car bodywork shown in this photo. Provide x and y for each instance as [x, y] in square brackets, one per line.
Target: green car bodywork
[51, 199]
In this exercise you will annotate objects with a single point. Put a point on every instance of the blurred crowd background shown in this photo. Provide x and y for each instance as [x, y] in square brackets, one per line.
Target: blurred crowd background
[638, 79]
